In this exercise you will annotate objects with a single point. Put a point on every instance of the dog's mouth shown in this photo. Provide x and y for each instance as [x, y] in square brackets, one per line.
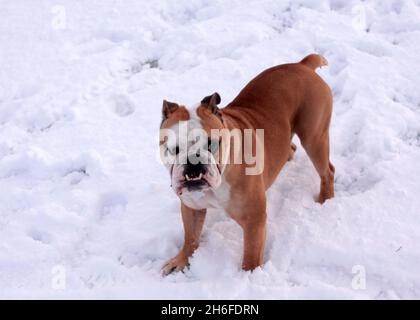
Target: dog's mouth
[193, 183]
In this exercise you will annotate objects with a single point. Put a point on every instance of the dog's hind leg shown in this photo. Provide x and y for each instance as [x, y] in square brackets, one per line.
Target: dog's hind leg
[312, 127]
[317, 148]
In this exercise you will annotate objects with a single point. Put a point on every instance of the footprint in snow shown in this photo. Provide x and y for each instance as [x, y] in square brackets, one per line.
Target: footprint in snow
[40, 236]
[122, 105]
[111, 203]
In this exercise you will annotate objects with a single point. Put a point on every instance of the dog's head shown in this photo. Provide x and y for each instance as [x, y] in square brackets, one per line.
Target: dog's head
[192, 145]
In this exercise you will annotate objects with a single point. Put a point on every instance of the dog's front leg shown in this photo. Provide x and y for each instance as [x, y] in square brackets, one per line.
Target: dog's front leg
[193, 221]
[252, 217]
[254, 231]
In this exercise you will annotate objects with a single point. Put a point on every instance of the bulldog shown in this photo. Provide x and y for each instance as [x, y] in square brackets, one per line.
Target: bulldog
[204, 143]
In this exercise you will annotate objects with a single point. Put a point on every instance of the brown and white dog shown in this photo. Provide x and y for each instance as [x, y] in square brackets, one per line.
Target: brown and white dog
[282, 100]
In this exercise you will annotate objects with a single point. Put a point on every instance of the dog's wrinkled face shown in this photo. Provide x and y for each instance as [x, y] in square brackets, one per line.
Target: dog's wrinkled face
[192, 146]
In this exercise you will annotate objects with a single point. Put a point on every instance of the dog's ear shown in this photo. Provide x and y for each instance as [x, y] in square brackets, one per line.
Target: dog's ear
[168, 108]
[212, 100]
[211, 103]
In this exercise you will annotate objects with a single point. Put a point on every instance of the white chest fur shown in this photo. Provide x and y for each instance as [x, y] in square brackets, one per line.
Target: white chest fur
[217, 199]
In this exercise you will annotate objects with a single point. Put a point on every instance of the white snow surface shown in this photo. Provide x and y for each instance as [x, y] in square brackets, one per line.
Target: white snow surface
[83, 191]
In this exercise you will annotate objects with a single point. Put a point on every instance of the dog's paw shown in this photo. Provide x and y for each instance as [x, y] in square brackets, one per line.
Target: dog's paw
[175, 264]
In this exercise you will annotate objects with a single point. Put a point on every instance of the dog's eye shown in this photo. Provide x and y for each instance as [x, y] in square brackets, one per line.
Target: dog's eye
[173, 151]
[213, 145]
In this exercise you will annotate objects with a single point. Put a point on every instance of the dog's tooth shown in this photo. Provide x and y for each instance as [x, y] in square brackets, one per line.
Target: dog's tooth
[188, 178]
[200, 176]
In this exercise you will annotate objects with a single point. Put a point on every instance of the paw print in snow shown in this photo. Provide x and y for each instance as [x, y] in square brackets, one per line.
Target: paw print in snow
[122, 105]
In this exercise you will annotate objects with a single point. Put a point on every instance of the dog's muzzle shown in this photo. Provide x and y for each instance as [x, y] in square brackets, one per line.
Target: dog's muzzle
[195, 176]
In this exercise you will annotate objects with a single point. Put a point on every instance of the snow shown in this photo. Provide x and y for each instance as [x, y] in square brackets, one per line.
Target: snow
[83, 192]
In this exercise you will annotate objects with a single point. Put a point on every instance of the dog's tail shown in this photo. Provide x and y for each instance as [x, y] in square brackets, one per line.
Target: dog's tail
[314, 61]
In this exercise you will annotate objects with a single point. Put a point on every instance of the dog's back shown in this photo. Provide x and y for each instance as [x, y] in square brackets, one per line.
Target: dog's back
[283, 100]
